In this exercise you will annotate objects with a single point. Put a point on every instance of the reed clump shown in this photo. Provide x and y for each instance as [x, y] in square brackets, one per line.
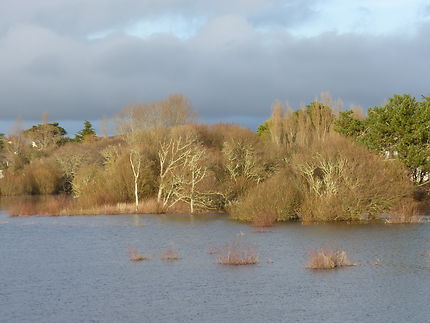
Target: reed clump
[328, 259]
[170, 254]
[234, 254]
[405, 213]
[135, 255]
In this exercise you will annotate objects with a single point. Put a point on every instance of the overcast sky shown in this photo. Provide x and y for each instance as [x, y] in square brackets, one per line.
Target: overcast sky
[84, 59]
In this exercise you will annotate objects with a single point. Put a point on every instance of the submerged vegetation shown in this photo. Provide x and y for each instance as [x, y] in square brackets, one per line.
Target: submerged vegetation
[314, 164]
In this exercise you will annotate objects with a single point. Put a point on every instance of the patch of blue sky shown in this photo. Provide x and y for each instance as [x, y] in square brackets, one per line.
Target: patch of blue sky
[374, 17]
[174, 25]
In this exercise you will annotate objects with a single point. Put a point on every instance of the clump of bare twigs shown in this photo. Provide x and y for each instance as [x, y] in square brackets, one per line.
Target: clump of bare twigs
[136, 255]
[328, 259]
[236, 255]
[170, 254]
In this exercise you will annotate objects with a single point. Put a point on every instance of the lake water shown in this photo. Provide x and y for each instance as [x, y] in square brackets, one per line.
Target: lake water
[77, 269]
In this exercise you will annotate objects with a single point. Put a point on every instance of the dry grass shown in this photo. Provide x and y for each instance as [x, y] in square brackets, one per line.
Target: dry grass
[328, 259]
[170, 254]
[405, 213]
[62, 205]
[53, 206]
[404, 219]
[136, 255]
[236, 255]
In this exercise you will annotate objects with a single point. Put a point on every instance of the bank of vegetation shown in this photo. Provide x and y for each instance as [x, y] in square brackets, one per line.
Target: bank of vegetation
[317, 163]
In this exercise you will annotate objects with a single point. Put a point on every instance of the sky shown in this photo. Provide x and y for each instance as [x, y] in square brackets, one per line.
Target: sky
[85, 59]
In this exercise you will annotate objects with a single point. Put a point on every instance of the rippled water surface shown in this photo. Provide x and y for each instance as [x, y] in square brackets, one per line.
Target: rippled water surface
[77, 269]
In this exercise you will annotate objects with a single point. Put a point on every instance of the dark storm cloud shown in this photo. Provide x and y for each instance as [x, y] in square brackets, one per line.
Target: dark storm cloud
[229, 70]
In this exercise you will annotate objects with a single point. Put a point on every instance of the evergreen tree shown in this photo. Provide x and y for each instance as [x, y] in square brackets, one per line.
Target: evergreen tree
[398, 129]
[45, 135]
[87, 133]
[1, 142]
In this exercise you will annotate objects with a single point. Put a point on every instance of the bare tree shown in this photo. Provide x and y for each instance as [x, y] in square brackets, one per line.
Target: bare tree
[276, 123]
[70, 161]
[172, 154]
[187, 179]
[135, 163]
[241, 160]
[173, 111]
[326, 99]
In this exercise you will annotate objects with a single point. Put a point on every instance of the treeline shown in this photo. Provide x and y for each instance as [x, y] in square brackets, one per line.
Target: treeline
[313, 164]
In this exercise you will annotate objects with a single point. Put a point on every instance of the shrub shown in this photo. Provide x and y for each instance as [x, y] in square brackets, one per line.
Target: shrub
[46, 178]
[16, 183]
[345, 180]
[277, 199]
[332, 180]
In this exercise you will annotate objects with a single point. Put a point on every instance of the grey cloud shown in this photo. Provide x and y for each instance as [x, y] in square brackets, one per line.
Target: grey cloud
[291, 13]
[82, 17]
[230, 71]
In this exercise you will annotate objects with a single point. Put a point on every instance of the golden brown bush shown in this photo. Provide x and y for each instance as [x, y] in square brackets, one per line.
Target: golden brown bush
[344, 181]
[331, 180]
[277, 199]
[46, 177]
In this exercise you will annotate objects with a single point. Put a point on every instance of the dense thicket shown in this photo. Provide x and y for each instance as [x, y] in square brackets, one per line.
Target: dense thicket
[309, 164]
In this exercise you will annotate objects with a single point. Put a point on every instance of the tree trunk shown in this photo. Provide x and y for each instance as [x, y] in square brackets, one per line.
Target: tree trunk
[160, 191]
[136, 195]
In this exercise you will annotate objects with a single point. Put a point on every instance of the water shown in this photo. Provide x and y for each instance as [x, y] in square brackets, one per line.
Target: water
[76, 269]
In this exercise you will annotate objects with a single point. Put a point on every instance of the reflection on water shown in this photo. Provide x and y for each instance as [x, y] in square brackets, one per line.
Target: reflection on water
[77, 269]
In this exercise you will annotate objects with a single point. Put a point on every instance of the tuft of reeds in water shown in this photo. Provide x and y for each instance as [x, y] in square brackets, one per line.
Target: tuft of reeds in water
[405, 213]
[170, 254]
[328, 259]
[236, 255]
[404, 219]
[136, 255]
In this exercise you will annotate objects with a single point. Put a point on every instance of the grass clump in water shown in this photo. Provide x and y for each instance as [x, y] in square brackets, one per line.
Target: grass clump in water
[136, 255]
[328, 259]
[236, 255]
